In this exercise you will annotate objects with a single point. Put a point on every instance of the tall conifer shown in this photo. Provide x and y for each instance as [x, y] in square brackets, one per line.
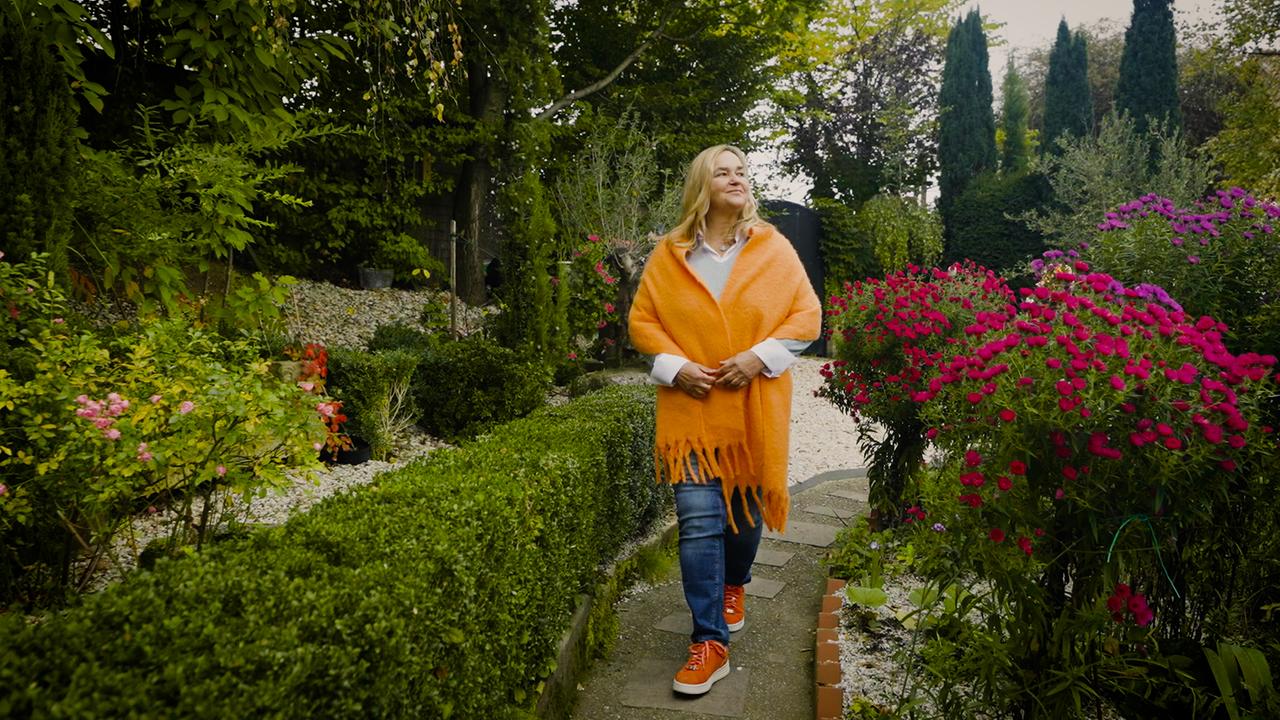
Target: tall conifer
[967, 125]
[37, 147]
[1148, 86]
[1014, 121]
[1068, 104]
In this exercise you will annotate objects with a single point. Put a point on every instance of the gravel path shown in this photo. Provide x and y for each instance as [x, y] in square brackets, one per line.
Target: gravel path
[822, 437]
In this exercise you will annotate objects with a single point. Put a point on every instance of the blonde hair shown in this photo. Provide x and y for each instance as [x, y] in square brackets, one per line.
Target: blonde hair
[696, 200]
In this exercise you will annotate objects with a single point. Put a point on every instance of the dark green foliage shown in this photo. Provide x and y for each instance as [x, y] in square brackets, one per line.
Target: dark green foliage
[1148, 87]
[966, 126]
[466, 387]
[374, 388]
[982, 232]
[441, 591]
[527, 303]
[846, 255]
[1068, 105]
[398, 336]
[37, 147]
[1014, 154]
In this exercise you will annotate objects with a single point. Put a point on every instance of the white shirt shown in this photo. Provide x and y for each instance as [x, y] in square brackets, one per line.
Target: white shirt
[713, 268]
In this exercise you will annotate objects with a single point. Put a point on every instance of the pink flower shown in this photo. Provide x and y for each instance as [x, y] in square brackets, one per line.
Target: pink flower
[1059, 494]
[112, 434]
[186, 407]
[996, 535]
[972, 458]
[58, 321]
[1004, 483]
[1008, 415]
[609, 308]
[1017, 467]
[1117, 382]
[573, 356]
[317, 446]
[1024, 542]
[307, 386]
[155, 399]
[4, 489]
[221, 470]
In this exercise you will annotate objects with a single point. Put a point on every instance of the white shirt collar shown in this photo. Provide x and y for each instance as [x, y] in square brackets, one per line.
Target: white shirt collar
[739, 239]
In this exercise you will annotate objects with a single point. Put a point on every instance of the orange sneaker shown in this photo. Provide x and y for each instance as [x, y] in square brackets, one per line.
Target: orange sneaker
[708, 662]
[734, 613]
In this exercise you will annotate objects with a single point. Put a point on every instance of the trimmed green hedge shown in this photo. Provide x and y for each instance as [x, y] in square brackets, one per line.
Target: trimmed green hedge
[441, 590]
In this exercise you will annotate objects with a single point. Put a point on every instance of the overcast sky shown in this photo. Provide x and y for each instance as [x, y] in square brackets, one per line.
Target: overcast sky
[1028, 24]
[1034, 23]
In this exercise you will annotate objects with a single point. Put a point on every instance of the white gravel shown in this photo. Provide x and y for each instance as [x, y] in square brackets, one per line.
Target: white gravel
[822, 437]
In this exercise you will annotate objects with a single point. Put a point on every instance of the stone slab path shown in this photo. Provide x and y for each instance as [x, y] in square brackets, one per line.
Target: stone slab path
[772, 657]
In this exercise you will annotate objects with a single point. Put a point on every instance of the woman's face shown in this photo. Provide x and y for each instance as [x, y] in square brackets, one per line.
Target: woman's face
[729, 187]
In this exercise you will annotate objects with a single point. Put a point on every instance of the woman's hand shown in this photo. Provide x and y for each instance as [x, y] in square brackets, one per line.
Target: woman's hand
[739, 370]
[695, 379]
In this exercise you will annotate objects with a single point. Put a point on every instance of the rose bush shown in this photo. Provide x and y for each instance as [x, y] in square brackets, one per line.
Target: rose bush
[1097, 443]
[93, 428]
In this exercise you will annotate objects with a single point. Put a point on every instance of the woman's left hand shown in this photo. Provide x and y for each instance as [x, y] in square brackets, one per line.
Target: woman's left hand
[739, 370]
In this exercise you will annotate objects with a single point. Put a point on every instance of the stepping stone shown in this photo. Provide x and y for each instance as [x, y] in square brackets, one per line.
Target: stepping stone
[649, 686]
[831, 512]
[859, 495]
[764, 588]
[679, 623]
[802, 533]
[773, 558]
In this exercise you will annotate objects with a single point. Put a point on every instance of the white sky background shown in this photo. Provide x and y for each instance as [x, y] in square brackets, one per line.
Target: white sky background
[1028, 24]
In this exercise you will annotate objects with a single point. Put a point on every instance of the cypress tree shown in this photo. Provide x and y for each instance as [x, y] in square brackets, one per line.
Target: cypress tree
[1068, 104]
[1014, 121]
[36, 145]
[1148, 86]
[966, 125]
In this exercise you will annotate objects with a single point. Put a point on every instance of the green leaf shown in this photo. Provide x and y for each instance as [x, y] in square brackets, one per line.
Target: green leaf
[866, 596]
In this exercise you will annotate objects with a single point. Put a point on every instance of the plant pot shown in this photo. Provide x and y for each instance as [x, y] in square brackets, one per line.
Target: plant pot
[359, 453]
[375, 278]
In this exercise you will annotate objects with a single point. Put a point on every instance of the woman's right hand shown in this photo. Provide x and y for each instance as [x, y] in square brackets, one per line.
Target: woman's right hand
[695, 379]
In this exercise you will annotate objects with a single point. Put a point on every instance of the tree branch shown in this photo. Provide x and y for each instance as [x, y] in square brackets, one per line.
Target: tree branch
[613, 74]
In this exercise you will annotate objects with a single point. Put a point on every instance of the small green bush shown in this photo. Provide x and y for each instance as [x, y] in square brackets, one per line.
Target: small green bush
[400, 336]
[468, 386]
[375, 390]
[440, 591]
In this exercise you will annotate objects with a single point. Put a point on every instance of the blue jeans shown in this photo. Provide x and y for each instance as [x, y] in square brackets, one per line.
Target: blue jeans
[711, 554]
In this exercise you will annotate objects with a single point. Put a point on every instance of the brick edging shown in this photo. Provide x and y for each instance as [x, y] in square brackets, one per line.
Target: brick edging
[826, 658]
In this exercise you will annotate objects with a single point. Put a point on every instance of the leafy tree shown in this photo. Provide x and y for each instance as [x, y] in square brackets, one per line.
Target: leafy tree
[1254, 25]
[966, 130]
[1248, 147]
[1148, 86]
[1067, 102]
[859, 104]
[1094, 174]
[1014, 153]
[37, 146]
[703, 65]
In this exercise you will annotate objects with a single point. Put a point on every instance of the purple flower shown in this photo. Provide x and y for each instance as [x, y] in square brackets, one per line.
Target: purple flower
[1193, 259]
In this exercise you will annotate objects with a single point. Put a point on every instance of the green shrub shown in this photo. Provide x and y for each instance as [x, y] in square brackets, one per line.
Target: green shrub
[985, 227]
[439, 591]
[94, 428]
[400, 336]
[846, 255]
[467, 386]
[375, 390]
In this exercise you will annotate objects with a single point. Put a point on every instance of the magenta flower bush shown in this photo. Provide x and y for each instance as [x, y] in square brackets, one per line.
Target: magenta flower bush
[1097, 445]
[1220, 258]
[889, 335]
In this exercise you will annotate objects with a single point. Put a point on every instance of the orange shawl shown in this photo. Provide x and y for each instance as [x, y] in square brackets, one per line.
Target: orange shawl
[740, 436]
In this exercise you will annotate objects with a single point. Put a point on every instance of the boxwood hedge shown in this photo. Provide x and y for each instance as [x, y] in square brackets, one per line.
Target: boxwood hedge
[440, 590]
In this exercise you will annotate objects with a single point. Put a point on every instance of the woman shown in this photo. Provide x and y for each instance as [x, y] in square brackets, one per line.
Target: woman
[724, 305]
